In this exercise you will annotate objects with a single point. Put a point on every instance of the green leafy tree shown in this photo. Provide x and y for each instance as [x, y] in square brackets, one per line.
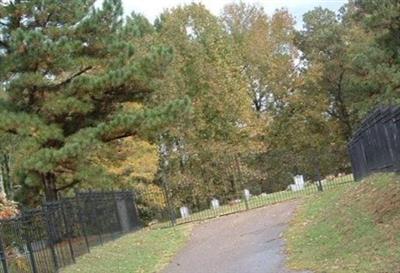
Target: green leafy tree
[323, 43]
[268, 57]
[67, 69]
[303, 138]
[206, 69]
[264, 45]
[357, 51]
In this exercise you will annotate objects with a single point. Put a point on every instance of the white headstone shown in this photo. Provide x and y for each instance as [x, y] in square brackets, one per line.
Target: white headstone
[214, 203]
[247, 194]
[2, 184]
[299, 180]
[298, 183]
[294, 187]
[184, 212]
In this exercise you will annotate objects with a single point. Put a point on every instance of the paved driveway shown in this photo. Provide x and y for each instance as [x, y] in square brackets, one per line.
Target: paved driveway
[248, 242]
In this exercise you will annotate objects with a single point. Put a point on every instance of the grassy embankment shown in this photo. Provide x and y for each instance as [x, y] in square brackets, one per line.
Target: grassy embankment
[146, 251]
[352, 229]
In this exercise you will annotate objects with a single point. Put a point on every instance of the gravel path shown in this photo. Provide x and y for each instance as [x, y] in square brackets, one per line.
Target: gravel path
[248, 242]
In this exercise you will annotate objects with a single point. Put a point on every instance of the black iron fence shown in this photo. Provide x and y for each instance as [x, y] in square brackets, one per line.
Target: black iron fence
[177, 208]
[46, 239]
[375, 146]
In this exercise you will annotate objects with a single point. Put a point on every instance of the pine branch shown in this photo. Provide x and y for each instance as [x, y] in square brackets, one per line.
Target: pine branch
[5, 45]
[116, 137]
[70, 185]
[68, 80]
[11, 131]
[47, 19]
[333, 114]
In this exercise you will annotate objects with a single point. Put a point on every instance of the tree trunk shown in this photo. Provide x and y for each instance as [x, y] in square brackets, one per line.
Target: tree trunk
[49, 184]
[344, 115]
[2, 175]
[8, 185]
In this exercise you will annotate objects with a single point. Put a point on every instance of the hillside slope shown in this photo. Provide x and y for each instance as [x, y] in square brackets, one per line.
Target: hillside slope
[354, 229]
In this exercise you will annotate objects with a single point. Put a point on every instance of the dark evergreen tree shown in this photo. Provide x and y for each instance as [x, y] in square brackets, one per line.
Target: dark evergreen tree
[67, 69]
[376, 65]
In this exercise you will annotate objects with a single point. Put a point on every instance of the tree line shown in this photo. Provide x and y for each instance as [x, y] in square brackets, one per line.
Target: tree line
[91, 98]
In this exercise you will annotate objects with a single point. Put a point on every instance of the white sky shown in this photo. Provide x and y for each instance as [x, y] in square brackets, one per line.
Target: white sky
[152, 8]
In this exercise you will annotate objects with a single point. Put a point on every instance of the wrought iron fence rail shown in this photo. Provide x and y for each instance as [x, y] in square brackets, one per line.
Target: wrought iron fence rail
[237, 202]
[375, 146]
[46, 239]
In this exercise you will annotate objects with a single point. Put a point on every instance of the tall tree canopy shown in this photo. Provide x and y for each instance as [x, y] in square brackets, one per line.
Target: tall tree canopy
[266, 51]
[357, 51]
[67, 70]
[376, 64]
[206, 69]
[91, 99]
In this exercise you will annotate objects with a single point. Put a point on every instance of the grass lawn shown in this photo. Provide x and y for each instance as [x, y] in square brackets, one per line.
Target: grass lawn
[351, 229]
[146, 251]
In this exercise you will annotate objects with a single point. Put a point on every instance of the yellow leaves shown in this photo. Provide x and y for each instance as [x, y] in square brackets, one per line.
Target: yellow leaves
[207, 69]
[133, 159]
[132, 106]
[151, 195]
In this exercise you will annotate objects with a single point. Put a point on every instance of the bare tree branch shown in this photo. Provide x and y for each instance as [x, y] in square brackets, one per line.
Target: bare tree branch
[4, 44]
[68, 80]
[116, 137]
[70, 185]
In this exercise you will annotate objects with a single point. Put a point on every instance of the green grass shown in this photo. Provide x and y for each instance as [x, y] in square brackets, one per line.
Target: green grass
[146, 251]
[351, 229]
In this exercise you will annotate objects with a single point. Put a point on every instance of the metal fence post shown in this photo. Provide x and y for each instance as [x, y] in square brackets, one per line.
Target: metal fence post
[320, 187]
[166, 192]
[25, 232]
[81, 220]
[50, 236]
[32, 257]
[246, 202]
[3, 256]
[67, 229]
[135, 211]
[117, 210]
[94, 215]
[164, 165]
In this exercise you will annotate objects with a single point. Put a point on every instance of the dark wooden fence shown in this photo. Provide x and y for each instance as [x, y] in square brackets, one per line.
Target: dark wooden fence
[375, 146]
[46, 239]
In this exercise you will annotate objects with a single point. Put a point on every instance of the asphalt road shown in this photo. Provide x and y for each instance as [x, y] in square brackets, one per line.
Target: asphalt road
[248, 242]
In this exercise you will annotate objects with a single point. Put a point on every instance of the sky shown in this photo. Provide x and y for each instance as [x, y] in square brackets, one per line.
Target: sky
[152, 8]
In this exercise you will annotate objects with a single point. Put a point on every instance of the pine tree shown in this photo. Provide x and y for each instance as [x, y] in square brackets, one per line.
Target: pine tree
[376, 64]
[67, 69]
